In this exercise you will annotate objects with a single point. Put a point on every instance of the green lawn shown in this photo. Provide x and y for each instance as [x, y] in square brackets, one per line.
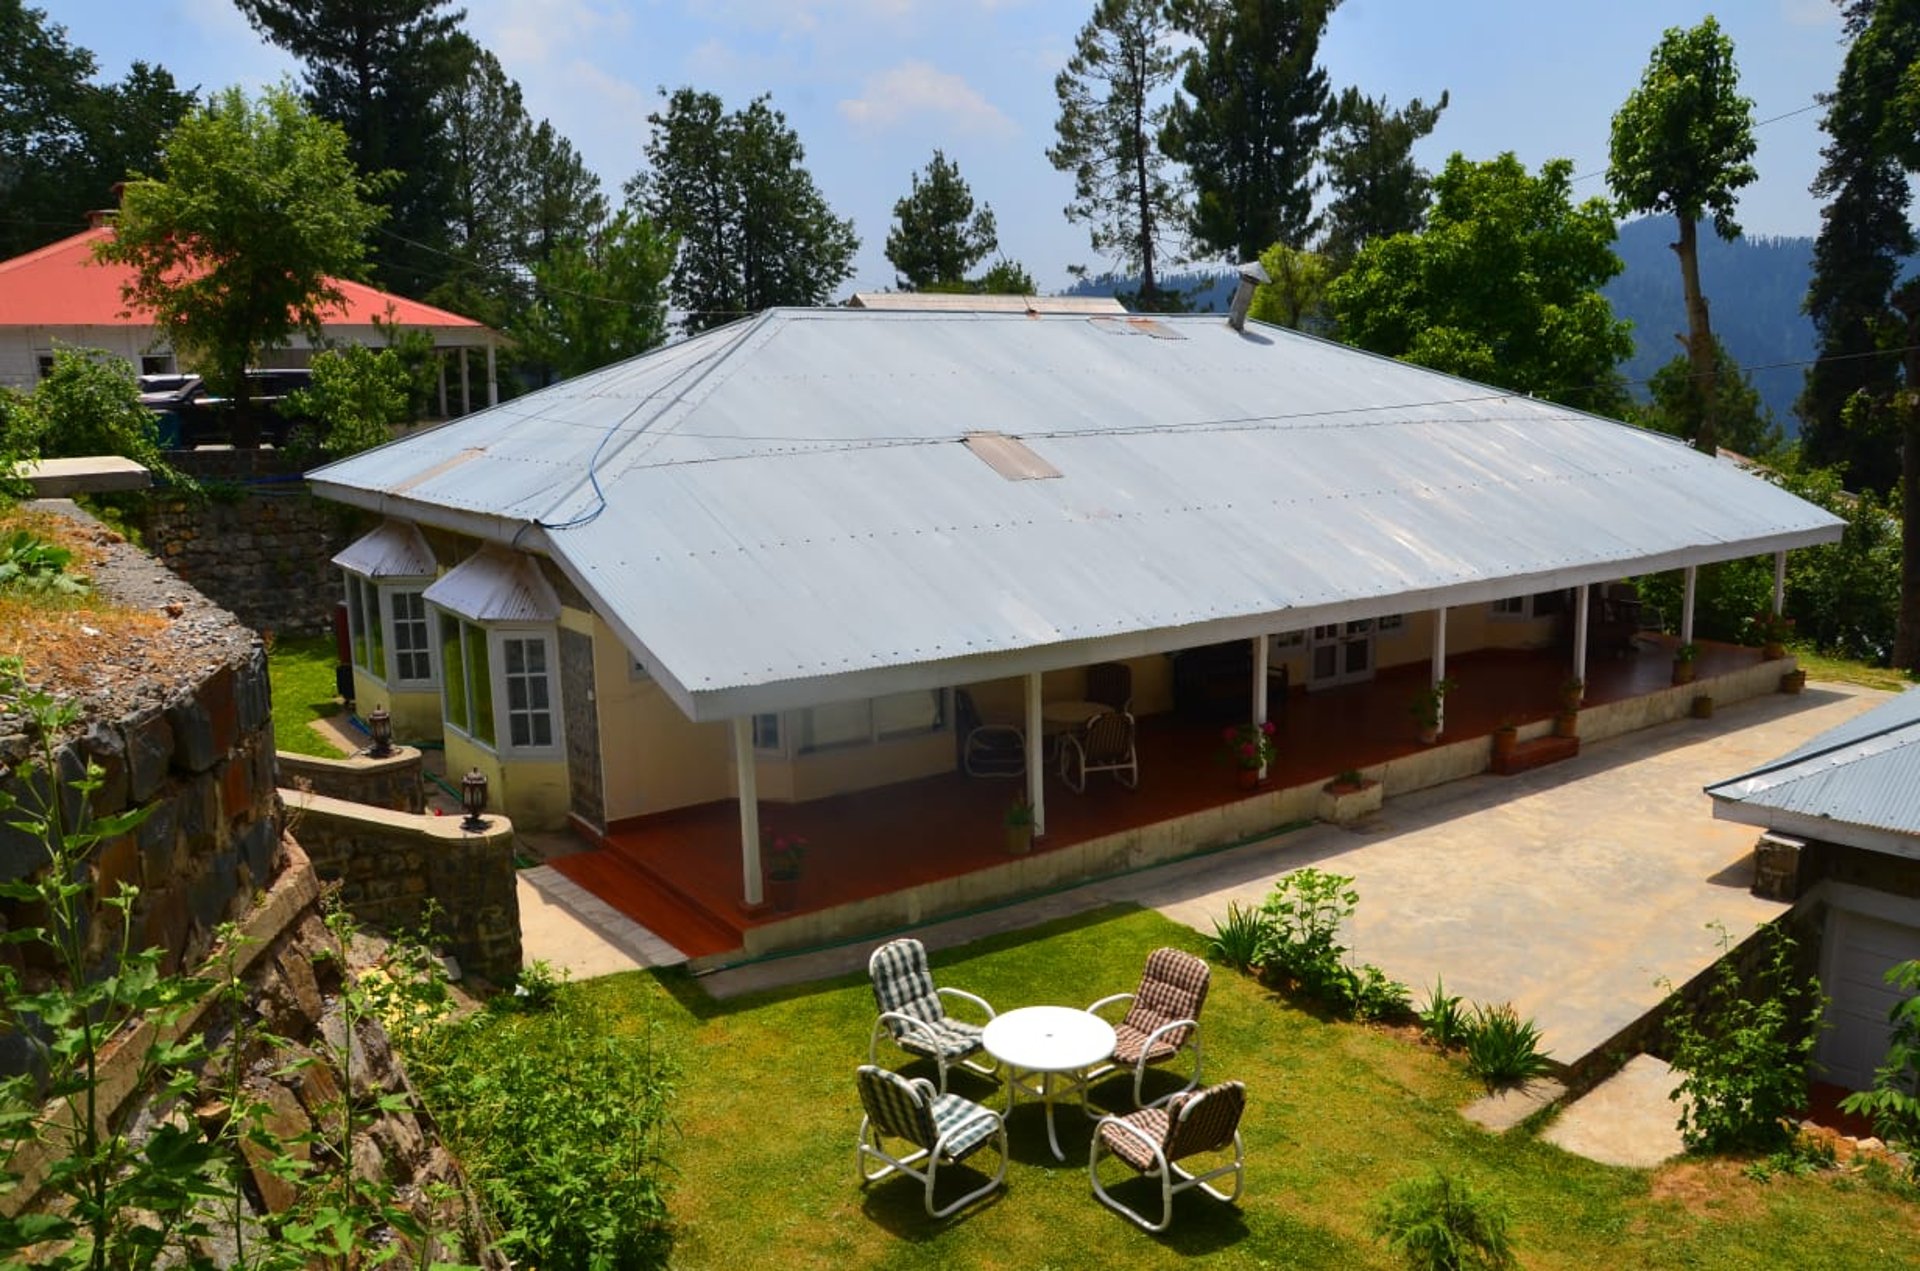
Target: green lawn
[766, 1114]
[301, 669]
[1819, 666]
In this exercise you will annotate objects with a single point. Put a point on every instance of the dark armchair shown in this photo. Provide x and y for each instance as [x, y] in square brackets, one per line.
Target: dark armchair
[986, 750]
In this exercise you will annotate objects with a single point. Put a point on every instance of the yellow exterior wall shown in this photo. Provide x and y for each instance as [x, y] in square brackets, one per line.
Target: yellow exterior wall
[652, 757]
[533, 794]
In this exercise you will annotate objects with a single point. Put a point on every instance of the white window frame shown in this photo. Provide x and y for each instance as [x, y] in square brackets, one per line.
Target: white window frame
[787, 726]
[358, 588]
[388, 672]
[497, 636]
[1524, 613]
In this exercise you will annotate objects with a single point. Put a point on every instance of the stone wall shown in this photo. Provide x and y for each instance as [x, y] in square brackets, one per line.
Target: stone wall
[390, 864]
[394, 782]
[259, 545]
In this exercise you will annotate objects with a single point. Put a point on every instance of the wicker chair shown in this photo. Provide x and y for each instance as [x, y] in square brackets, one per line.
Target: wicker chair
[1163, 1018]
[987, 750]
[939, 1129]
[1155, 1141]
[1104, 745]
[912, 1014]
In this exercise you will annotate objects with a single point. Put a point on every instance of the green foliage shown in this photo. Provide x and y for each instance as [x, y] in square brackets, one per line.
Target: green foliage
[1742, 422]
[89, 404]
[1502, 287]
[1237, 938]
[233, 247]
[1247, 128]
[1378, 190]
[1444, 1017]
[357, 397]
[1005, 277]
[558, 1116]
[536, 989]
[1894, 1101]
[28, 563]
[1111, 116]
[1298, 939]
[938, 234]
[1502, 1049]
[753, 229]
[300, 669]
[600, 300]
[1440, 1223]
[1745, 1054]
[1295, 294]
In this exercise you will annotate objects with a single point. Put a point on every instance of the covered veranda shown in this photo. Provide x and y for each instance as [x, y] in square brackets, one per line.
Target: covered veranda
[679, 874]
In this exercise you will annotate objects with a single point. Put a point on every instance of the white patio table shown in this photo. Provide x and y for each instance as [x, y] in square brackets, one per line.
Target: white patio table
[1057, 1044]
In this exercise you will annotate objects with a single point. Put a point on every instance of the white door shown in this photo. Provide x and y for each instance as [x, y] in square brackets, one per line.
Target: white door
[1854, 958]
[1340, 653]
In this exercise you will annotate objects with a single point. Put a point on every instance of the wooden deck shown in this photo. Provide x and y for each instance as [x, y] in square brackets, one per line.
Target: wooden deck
[678, 874]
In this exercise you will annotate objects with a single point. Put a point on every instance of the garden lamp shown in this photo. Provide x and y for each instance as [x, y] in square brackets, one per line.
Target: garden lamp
[380, 727]
[473, 797]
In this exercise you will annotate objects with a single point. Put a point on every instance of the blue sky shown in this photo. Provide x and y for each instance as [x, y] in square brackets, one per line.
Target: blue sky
[872, 86]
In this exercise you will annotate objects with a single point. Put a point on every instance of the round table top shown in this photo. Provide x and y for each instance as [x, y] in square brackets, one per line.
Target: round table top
[1049, 1038]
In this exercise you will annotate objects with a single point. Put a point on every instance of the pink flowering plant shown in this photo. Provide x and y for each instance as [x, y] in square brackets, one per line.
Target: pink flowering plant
[784, 854]
[1250, 745]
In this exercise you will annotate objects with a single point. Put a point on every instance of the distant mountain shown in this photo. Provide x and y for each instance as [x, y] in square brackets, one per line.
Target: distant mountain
[1754, 289]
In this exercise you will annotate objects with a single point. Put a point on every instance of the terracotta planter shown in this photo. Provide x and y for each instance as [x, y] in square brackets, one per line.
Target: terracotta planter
[1683, 671]
[1566, 724]
[1504, 740]
[1702, 706]
[1429, 734]
[1019, 840]
[783, 891]
[1248, 778]
[1773, 651]
[1793, 681]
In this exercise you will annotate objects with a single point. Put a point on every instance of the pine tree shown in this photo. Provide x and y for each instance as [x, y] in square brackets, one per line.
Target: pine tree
[938, 234]
[1378, 190]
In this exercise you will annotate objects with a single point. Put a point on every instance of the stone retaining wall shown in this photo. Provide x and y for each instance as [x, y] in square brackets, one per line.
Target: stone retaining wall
[394, 782]
[390, 864]
[260, 545]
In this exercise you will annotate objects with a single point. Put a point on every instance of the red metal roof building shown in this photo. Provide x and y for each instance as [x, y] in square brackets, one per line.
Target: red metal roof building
[61, 294]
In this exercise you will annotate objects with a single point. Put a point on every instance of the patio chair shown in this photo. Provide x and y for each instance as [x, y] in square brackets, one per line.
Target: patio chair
[1156, 1140]
[987, 750]
[1163, 1019]
[1105, 744]
[912, 1014]
[1111, 685]
[940, 1128]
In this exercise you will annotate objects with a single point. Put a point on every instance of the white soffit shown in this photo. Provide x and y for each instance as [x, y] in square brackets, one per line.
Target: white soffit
[496, 586]
[394, 550]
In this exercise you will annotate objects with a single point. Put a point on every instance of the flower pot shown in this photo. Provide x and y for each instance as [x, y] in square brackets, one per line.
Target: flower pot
[1683, 671]
[1566, 724]
[1702, 706]
[1429, 734]
[783, 891]
[1019, 840]
[1248, 778]
[1504, 740]
[1772, 650]
[1793, 681]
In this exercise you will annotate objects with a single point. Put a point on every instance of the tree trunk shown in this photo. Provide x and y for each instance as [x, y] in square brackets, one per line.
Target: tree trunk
[1149, 299]
[1906, 631]
[1699, 336]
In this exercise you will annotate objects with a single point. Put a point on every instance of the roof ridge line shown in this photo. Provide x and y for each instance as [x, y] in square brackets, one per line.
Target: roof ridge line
[1795, 761]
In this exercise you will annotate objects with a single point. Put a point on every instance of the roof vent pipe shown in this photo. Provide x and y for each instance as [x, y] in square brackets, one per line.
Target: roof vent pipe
[1251, 276]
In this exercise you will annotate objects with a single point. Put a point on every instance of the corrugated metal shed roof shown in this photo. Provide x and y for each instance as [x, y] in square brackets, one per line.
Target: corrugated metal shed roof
[783, 511]
[496, 586]
[394, 549]
[934, 300]
[1863, 775]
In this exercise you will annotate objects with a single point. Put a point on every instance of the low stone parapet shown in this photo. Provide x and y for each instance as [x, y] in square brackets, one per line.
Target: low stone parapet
[394, 782]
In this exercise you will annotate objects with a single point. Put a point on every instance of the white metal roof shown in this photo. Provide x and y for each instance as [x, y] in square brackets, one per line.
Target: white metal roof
[1858, 783]
[952, 303]
[494, 585]
[784, 511]
[393, 549]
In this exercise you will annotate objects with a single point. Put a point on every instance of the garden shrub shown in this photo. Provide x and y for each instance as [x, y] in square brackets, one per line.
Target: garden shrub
[1440, 1223]
[1236, 938]
[1444, 1018]
[1503, 1049]
[1299, 940]
[1744, 1055]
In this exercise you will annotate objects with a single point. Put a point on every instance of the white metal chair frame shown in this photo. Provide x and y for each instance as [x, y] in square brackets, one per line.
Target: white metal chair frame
[1167, 1171]
[1192, 1043]
[1085, 750]
[870, 1144]
[909, 1025]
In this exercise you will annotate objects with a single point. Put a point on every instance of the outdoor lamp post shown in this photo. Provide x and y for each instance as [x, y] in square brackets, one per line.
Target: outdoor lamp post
[473, 797]
[380, 727]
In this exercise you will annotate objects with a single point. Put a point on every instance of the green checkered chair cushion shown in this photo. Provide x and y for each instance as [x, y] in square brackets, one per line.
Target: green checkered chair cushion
[912, 1109]
[902, 982]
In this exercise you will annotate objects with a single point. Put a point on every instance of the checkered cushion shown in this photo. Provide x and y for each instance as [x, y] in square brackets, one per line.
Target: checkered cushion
[1193, 1121]
[903, 983]
[1131, 1148]
[911, 1110]
[976, 1124]
[941, 1039]
[1174, 986]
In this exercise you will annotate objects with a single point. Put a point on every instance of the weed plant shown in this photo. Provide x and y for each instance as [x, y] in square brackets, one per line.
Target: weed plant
[1503, 1049]
[1894, 1101]
[1237, 938]
[1444, 1017]
[1440, 1223]
[1299, 939]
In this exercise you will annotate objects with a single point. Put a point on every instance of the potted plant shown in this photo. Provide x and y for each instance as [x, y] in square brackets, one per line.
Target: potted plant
[1572, 693]
[1505, 738]
[1019, 820]
[1249, 748]
[1772, 630]
[1702, 706]
[1566, 723]
[1793, 681]
[783, 870]
[1348, 797]
[1683, 659]
[1428, 709]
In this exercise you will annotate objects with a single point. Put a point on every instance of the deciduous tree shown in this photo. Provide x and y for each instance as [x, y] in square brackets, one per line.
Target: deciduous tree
[753, 228]
[939, 234]
[1503, 286]
[1111, 116]
[235, 245]
[1378, 190]
[1682, 145]
[1248, 126]
[601, 299]
[1745, 424]
[1295, 293]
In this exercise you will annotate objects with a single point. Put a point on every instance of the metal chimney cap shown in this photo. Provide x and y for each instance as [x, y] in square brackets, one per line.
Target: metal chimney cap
[1253, 271]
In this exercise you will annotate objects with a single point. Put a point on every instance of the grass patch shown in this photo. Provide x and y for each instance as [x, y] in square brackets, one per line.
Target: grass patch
[1337, 1114]
[1819, 666]
[301, 669]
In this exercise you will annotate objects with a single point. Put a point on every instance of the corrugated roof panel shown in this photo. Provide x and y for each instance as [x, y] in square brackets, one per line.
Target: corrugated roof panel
[494, 585]
[393, 549]
[1865, 772]
[790, 498]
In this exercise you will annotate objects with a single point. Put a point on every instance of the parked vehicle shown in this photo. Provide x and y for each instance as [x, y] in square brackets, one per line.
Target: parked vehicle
[191, 416]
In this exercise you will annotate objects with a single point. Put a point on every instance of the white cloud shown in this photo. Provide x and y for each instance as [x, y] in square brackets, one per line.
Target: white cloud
[531, 32]
[1809, 13]
[918, 88]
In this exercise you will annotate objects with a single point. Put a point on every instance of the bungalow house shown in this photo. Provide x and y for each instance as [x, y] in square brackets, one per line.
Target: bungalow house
[755, 567]
[60, 295]
[1842, 821]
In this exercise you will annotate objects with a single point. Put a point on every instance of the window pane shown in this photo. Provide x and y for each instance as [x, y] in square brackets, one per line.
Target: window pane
[356, 622]
[376, 633]
[516, 660]
[516, 685]
[916, 712]
[766, 732]
[481, 676]
[453, 673]
[835, 724]
[518, 731]
[543, 730]
[410, 655]
[539, 692]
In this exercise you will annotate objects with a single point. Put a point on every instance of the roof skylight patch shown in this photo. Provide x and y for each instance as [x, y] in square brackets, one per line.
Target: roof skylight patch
[1009, 456]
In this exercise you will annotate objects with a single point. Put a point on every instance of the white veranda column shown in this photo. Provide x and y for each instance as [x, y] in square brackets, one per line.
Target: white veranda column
[747, 786]
[493, 381]
[1036, 760]
[1582, 607]
[466, 384]
[1779, 583]
[1260, 688]
[1440, 663]
[1686, 604]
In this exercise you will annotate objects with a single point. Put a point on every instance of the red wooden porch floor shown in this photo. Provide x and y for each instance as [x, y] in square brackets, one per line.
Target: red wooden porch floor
[678, 874]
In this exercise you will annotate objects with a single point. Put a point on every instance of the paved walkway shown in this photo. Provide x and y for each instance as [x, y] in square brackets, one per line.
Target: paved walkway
[1571, 891]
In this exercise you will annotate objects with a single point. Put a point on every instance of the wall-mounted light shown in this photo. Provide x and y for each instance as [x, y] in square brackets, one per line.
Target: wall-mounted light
[473, 797]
